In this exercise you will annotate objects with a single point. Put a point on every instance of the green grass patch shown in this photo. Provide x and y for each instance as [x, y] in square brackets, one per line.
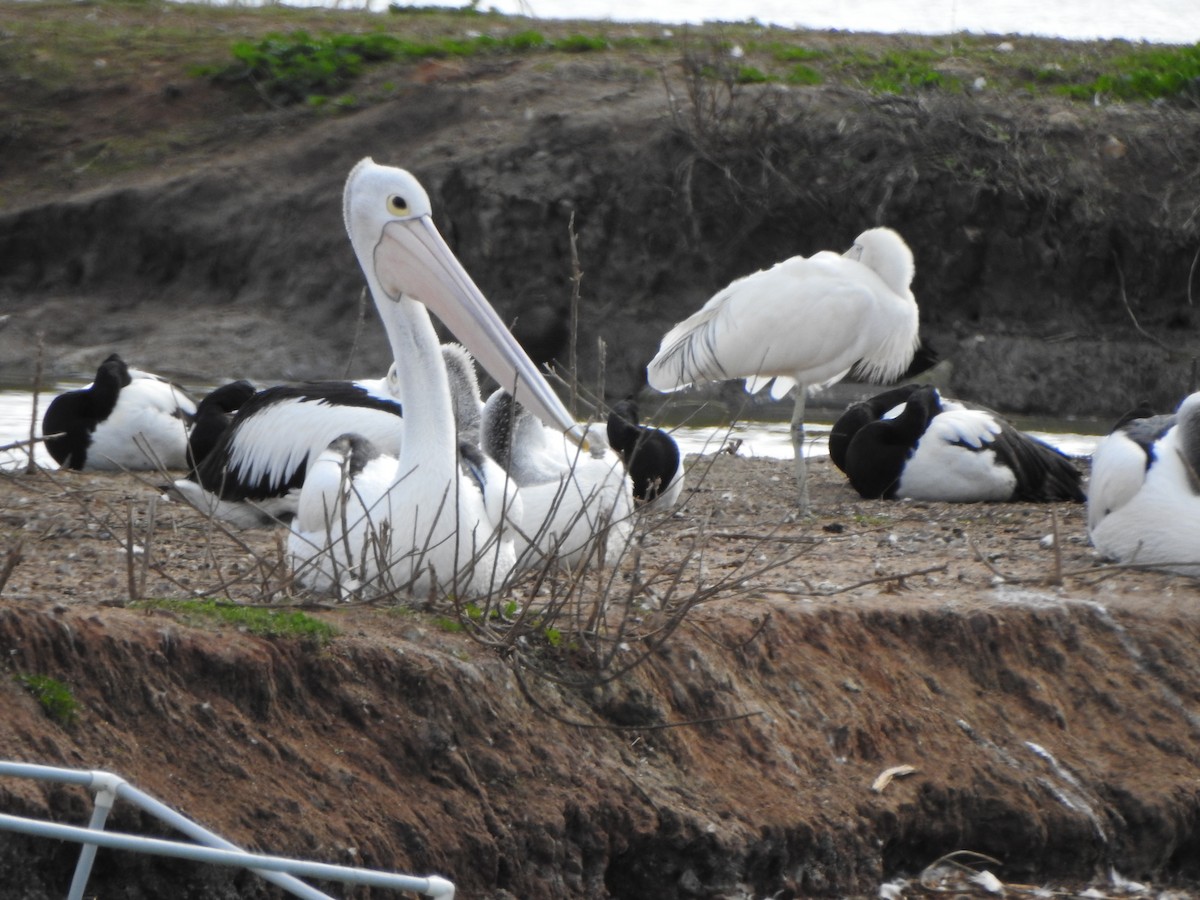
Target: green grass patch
[53, 696]
[906, 72]
[253, 619]
[802, 74]
[300, 68]
[1151, 74]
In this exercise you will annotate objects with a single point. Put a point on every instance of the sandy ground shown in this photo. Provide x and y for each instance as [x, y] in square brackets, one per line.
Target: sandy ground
[89, 538]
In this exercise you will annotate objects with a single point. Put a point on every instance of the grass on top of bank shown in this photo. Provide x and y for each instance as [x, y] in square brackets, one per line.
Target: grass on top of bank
[289, 54]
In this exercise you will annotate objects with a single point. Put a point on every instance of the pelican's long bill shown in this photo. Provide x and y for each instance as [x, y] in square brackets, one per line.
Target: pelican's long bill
[413, 260]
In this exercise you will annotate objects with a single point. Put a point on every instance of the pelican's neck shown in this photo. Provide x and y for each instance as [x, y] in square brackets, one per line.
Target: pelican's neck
[429, 433]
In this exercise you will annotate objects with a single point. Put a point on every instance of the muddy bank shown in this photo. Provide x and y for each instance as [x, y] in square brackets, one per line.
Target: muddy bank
[1047, 703]
[1054, 736]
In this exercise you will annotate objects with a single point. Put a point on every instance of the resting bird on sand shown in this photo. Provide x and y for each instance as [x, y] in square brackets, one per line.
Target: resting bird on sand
[437, 523]
[863, 412]
[258, 462]
[922, 448]
[804, 323]
[651, 456]
[253, 473]
[125, 419]
[1144, 492]
[575, 506]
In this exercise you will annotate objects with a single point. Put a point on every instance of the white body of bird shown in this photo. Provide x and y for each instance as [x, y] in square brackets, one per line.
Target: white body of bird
[145, 428]
[1144, 496]
[940, 469]
[126, 419]
[576, 506]
[803, 324]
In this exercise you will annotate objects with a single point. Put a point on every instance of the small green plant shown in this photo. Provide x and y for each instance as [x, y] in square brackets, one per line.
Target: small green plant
[751, 75]
[899, 73]
[448, 624]
[784, 53]
[801, 74]
[579, 43]
[54, 696]
[252, 619]
[292, 68]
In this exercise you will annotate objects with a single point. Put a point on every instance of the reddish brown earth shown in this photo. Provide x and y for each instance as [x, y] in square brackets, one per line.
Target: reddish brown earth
[1046, 702]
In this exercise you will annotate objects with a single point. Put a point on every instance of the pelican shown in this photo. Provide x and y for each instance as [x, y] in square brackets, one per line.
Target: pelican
[651, 456]
[126, 419]
[863, 412]
[925, 448]
[253, 473]
[428, 526]
[575, 506]
[803, 325]
[1144, 492]
[258, 459]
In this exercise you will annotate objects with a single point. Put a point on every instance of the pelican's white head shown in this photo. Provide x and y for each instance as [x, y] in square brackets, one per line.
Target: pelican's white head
[389, 219]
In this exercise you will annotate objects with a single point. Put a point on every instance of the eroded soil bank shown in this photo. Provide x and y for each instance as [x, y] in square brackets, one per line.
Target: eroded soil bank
[1051, 726]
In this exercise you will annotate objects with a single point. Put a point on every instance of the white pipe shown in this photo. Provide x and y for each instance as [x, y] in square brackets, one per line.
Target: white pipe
[101, 781]
[432, 886]
[106, 796]
[107, 782]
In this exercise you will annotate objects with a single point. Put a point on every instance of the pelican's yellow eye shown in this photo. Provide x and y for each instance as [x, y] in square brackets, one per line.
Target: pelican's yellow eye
[397, 205]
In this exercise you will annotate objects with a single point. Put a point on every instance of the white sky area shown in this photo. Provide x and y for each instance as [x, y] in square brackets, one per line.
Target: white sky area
[1162, 21]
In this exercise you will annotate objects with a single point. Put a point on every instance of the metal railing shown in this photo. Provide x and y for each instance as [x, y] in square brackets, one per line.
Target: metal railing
[107, 787]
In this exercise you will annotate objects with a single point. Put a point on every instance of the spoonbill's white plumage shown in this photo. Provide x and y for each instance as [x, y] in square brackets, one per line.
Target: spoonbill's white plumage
[1144, 491]
[803, 325]
[575, 506]
[651, 456]
[922, 447]
[124, 419]
[431, 527]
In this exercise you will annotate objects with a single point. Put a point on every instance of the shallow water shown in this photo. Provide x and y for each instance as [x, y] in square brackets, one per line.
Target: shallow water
[757, 439]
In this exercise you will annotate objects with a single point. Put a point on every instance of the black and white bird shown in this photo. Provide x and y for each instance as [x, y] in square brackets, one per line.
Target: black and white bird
[126, 419]
[576, 506]
[651, 456]
[214, 415]
[254, 471]
[863, 412]
[924, 448]
[803, 325]
[1144, 491]
[430, 525]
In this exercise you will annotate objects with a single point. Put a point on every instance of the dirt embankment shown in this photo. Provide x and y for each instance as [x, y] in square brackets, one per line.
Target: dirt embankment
[1047, 705]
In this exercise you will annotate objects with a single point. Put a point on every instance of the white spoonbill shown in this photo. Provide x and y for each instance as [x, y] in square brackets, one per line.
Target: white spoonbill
[1144, 492]
[125, 419]
[804, 323]
[430, 527]
[576, 506]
